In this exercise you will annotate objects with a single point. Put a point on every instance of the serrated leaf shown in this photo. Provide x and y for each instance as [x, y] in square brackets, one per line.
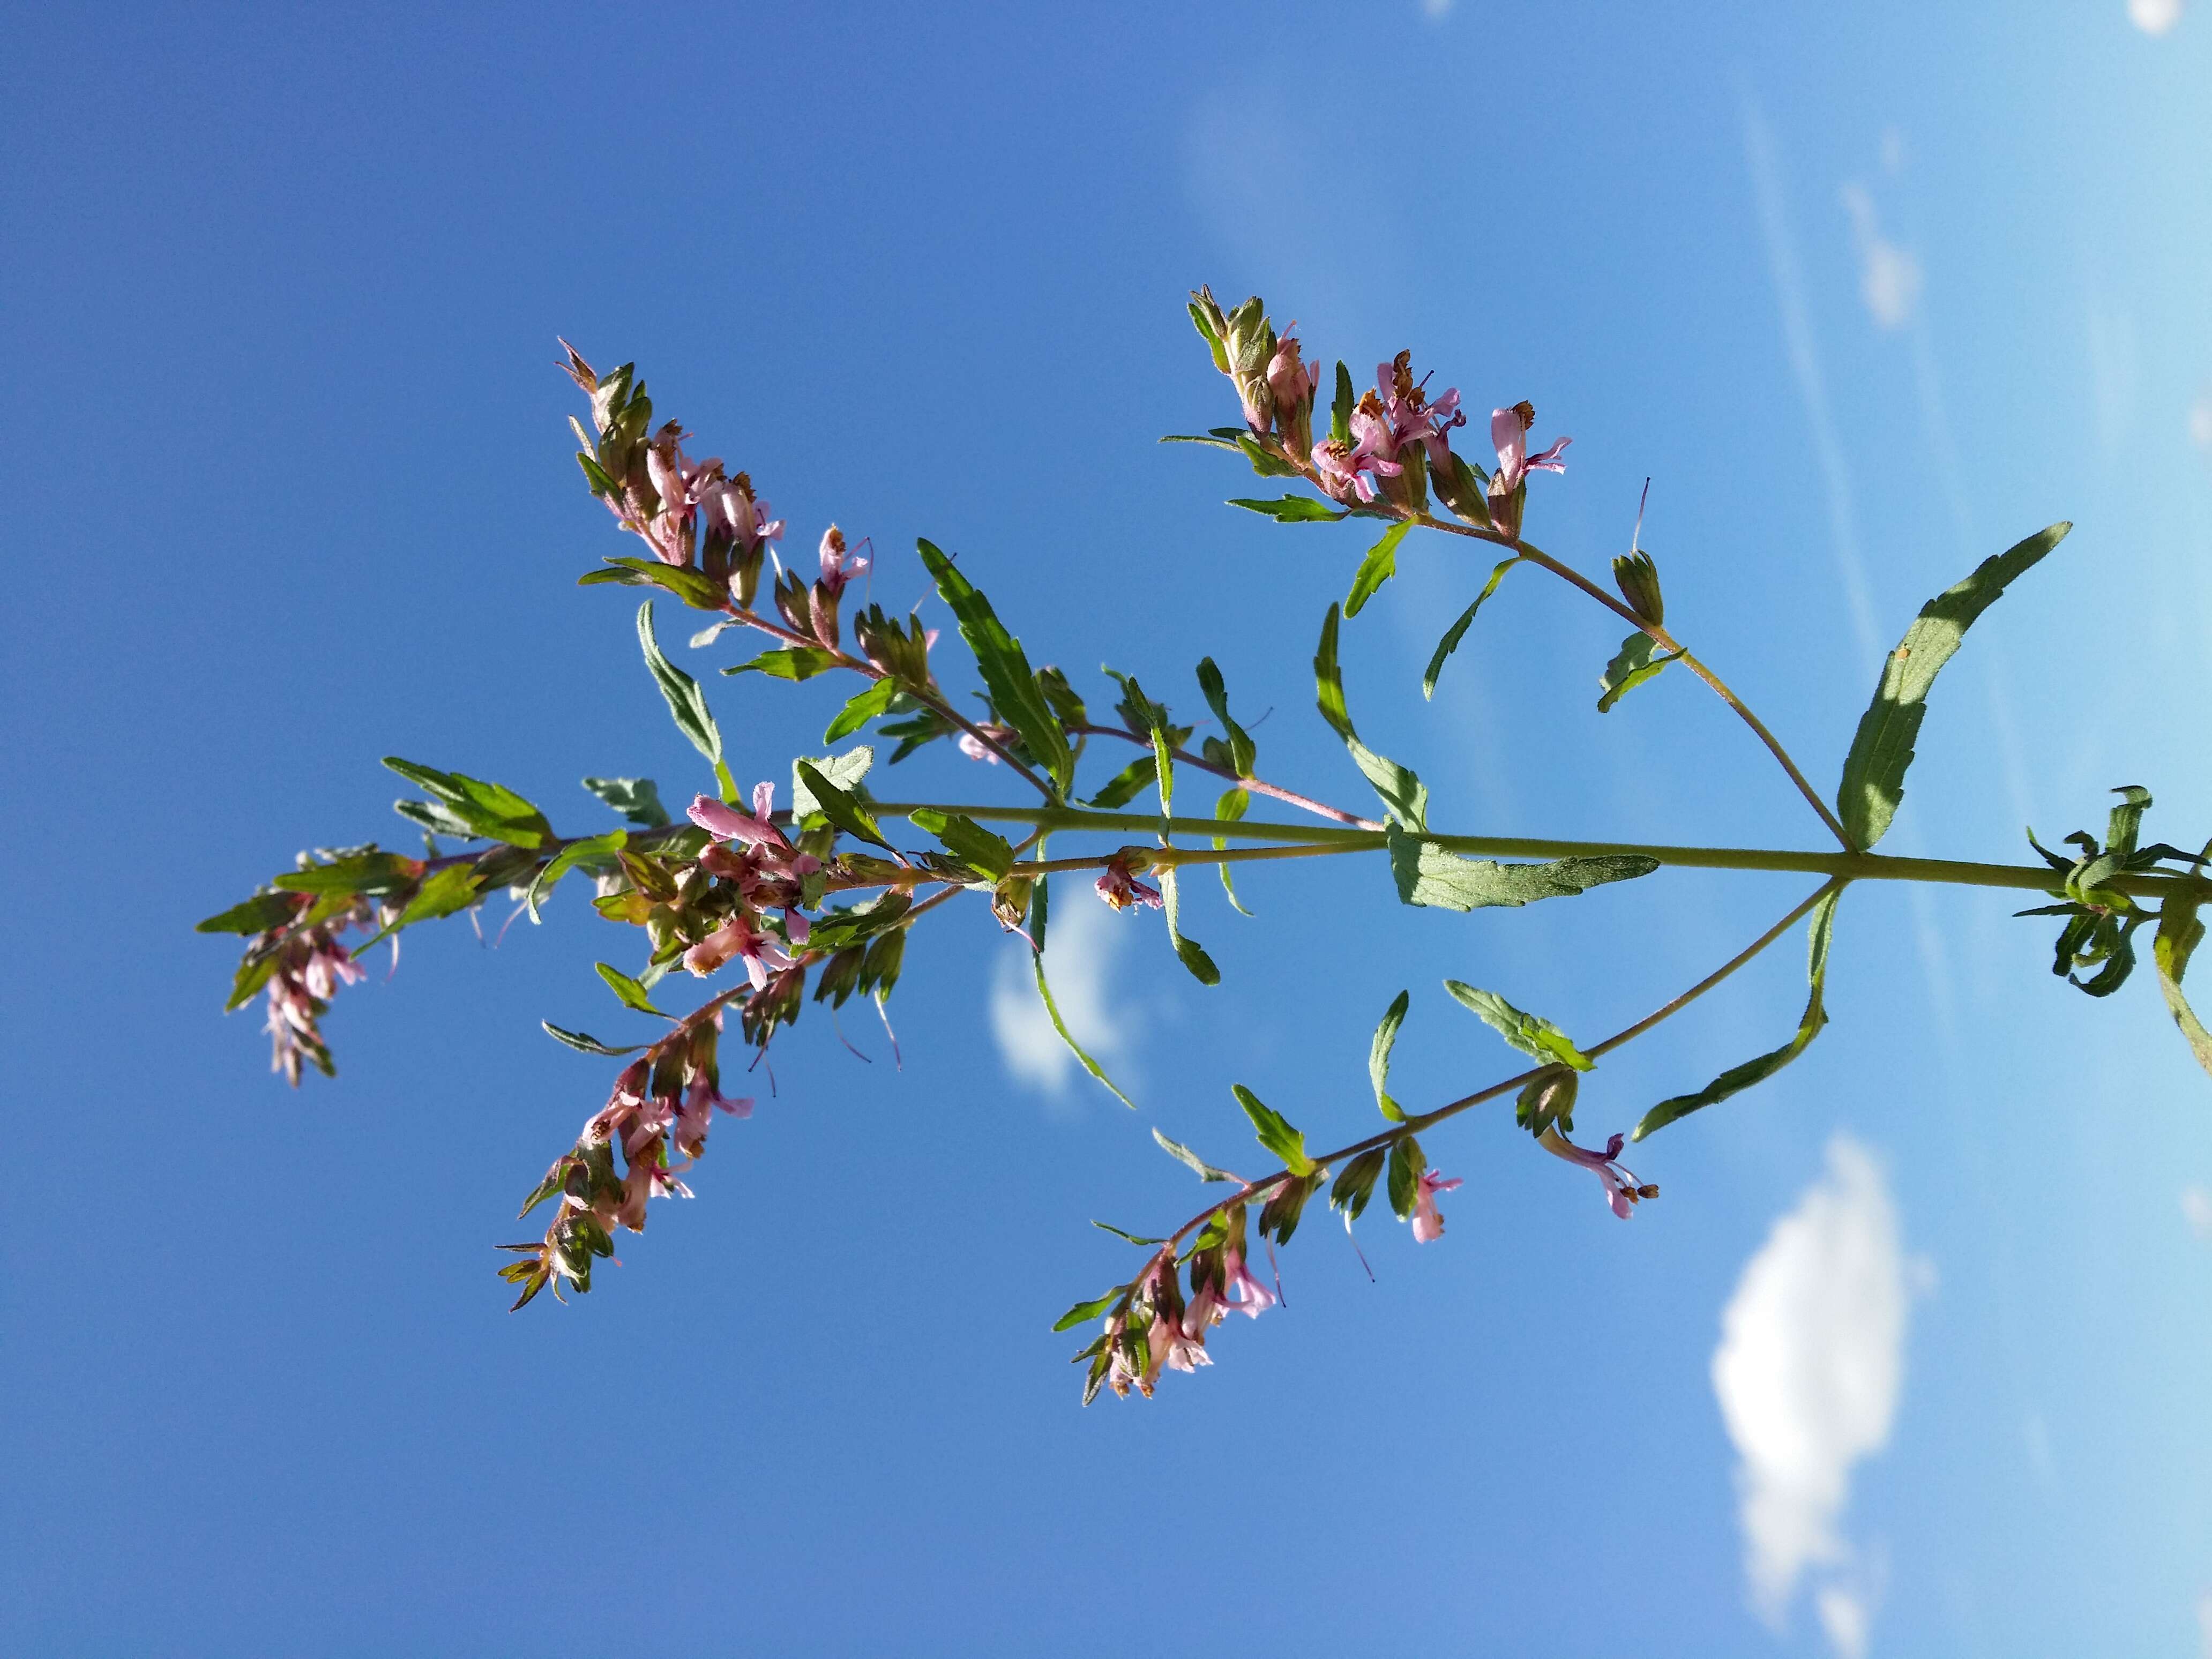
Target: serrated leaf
[489, 810]
[696, 589]
[796, 662]
[687, 704]
[1039, 902]
[1428, 875]
[567, 860]
[1377, 567]
[1182, 1154]
[1407, 1163]
[436, 817]
[583, 1042]
[255, 915]
[984, 851]
[1405, 798]
[632, 994]
[1532, 1034]
[1634, 665]
[1005, 671]
[1873, 772]
[1457, 631]
[1355, 1185]
[845, 770]
[1737, 1079]
[1378, 1055]
[1084, 1312]
[637, 800]
[1275, 1131]
[834, 803]
[1241, 749]
[861, 709]
[1291, 509]
[1126, 785]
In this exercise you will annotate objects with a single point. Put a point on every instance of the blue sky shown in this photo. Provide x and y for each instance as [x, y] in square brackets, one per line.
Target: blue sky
[1908, 1358]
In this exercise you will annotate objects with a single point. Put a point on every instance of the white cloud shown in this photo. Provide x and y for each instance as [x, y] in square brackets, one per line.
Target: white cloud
[1081, 943]
[2204, 1624]
[2196, 1210]
[2154, 16]
[1437, 10]
[1807, 1372]
[1889, 277]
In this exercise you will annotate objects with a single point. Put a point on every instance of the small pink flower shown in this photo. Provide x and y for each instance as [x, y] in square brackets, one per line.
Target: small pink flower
[737, 940]
[701, 1100]
[1508, 430]
[1428, 1220]
[1257, 1298]
[838, 567]
[1413, 419]
[976, 749]
[1622, 1191]
[1120, 888]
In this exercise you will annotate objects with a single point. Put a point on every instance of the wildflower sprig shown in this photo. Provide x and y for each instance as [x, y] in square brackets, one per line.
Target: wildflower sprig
[761, 898]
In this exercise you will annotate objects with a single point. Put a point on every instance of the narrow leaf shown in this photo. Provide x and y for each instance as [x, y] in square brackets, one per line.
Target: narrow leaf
[1274, 1132]
[1291, 509]
[1428, 875]
[1231, 807]
[583, 1042]
[637, 800]
[1378, 1055]
[687, 704]
[984, 851]
[1737, 1079]
[861, 709]
[1240, 746]
[254, 915]
[1084, 1312]
[1532, 1034]
[1377, 567]
[1457, 631]
[1634, 665]
[1182, 1154]
[567, 860]
[1039, 901]
[1408, 1164]
[1873, 772]
[631, 993]
[796, 662]
[1006, 674]
[2179, 934]
[845, 770]
[841, 809]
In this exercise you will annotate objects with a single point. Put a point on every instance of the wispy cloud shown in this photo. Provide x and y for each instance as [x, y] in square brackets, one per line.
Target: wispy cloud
[1812, 384]
[1437, 10]
[2154, 16]
[1811, 1359]
[2200, 422]
[1889, 276]
[2196, 1210]
[1082, 943]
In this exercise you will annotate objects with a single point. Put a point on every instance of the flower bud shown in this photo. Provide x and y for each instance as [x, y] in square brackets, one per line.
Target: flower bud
[1461, 489]
[1546, 1099]
[1638, 578]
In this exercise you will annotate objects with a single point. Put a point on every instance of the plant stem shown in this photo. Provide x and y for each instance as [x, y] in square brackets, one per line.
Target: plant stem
[1257, 785]
[1665, 641]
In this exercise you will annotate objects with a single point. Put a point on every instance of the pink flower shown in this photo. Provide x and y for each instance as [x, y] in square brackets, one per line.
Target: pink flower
[738, 940]
[1428, 1220]
[1508, 430]
[754, 831]
[1120, 888]
[1290, 382]
[1170, 1345]
[838, 567]
[976, 749]
[701, 1100]
[1412, 417]
[1257, 1298]
[1622, 1191]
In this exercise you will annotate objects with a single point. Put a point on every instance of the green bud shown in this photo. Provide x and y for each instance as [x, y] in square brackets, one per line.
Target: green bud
[1637, 578]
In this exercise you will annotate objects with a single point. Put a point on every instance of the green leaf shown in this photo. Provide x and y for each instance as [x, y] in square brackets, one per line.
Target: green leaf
[1737, 1079]
[1407, 1163]
[1274, 1132]
[834, 803]
[1355, 1185]
[1188, 951]
[637, 800]
[583, 1042]
[453, 888]
[797, 662]
[253, 972]
[845, 770]
[1039, 899]
[1457, 631]
[1377, 567]
[1280, 1214]
[1873, 772]
[861, 709]
[695, 587]
[1532, 1034]
[984, 851]
[1241, 749]
[687, 704]
[1633, 666]
[567, 860]
[631, 993]
[1291, 509]
[1229, 444]
[436, 817]
[255, 915]
[1084, 1312]
[1428, 875]
[2124, 824]
[1133, 1238]
[2178, 934]
[1006, 674]
[1231, 807]
[1340, 410]
[1378, 1055]
[491, 810]
[1405, 798]
[1182, 1154]
[1126, 785]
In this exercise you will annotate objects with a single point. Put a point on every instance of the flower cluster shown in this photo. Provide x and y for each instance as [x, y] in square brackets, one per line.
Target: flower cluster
[306, 965]
[754, 869]
[660, 1110]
